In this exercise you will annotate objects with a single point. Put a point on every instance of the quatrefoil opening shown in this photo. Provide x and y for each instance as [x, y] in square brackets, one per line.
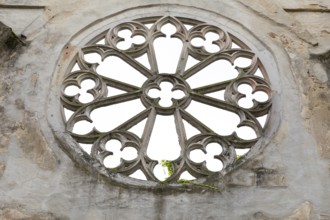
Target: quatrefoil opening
[250, 96]
[117, 152]
[81, 91]
[207, 42]
[128, 39]
[166, 94]
[210, 156]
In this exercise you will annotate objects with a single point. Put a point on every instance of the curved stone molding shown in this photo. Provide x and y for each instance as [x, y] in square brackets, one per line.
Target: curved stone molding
[105, 41]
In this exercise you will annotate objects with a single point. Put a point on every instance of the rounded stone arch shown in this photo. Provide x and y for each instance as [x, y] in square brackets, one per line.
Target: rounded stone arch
[236, 29]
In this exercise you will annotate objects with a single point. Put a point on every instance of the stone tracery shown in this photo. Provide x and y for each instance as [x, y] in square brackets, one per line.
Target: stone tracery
[232, 95]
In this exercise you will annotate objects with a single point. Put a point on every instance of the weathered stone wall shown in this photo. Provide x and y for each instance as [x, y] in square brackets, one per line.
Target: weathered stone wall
[288, 180]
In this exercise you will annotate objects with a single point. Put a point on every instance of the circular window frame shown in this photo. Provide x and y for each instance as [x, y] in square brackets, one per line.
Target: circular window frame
[69, 145]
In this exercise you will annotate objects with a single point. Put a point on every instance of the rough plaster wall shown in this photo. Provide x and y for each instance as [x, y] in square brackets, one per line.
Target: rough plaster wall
[289, 180]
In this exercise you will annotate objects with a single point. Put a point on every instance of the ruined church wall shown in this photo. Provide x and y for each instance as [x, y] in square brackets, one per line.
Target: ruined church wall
[288, 180]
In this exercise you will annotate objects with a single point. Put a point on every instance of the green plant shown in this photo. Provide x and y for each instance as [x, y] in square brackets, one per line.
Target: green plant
[186, 182]
[168, 165]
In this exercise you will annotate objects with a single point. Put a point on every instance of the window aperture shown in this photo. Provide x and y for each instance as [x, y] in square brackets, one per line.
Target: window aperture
[166, 98]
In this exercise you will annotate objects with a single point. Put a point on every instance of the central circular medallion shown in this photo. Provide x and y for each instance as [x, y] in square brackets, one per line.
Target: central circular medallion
[166, 92]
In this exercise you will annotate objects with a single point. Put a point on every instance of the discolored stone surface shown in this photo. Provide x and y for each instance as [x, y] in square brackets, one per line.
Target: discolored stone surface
[14, 212]
[288, 180]
[34, 145]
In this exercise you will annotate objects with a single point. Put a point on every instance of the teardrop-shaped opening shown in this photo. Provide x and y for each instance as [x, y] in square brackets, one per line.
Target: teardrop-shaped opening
[217, 71]
[164, 144]
[220, 121]
[116, 68]
[167, 50]
[107, 118]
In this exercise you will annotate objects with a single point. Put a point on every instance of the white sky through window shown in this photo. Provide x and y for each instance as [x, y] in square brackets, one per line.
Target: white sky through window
[164, 142]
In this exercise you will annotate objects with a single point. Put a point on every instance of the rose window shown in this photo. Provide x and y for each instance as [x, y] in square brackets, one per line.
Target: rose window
[166, 90]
